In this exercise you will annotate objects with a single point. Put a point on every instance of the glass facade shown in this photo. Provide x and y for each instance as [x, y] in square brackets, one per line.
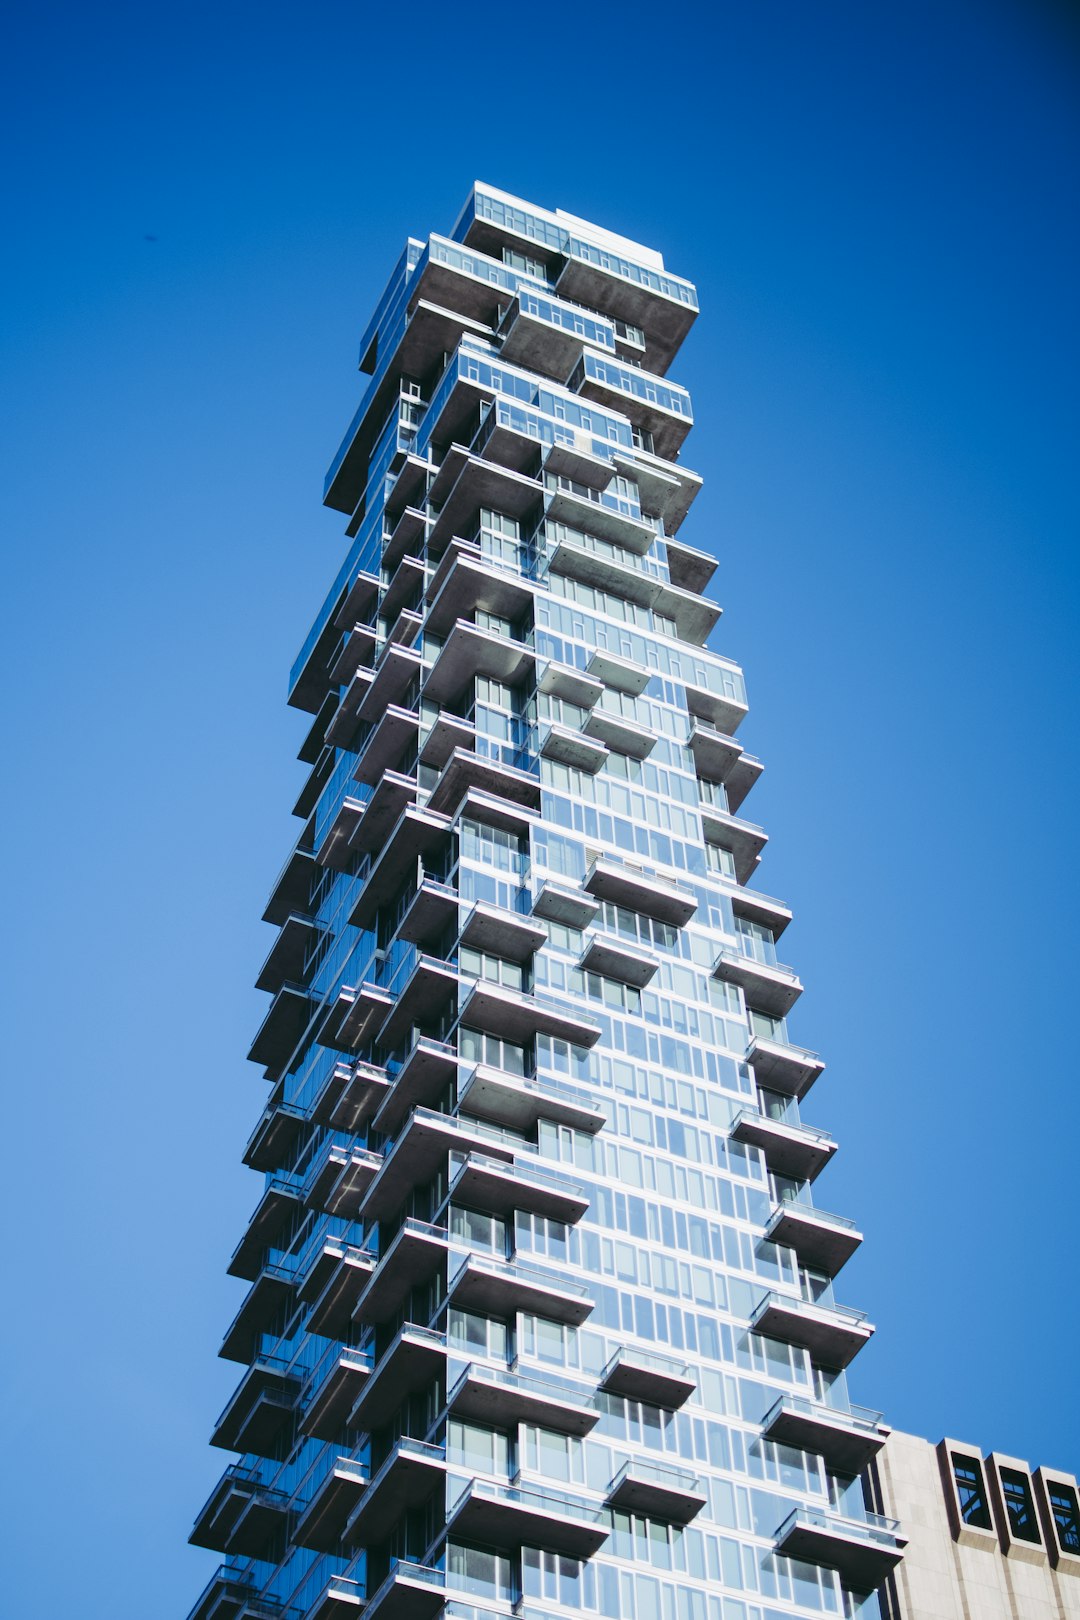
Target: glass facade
[539, 1314]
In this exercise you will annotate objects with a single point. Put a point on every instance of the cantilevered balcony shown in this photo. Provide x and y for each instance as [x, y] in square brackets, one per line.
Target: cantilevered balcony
[745, 839]
[546, 335]
[310, 677]
[661, 305]
[761, 908]
[642, 1375]
[349, 1096]
[429, 1069]
[334, 850]
[516, 1102]
[573, 748]
[769, 986]
[403, 589]
[621, 674]
[863, 1552]
[356, 652]
[416, 832]
[508, 1515]
[286, 958]
[822, 1241]
[281, 1029]
[724, 710]
[281, 1199]
[618, 958]
[469, 651]
[408, 487]
[667, 489]
[779, 1066]
[519, 1018]
[332, 1391]
[415, 1358]
[847, 1440]
[481, 484]
[406, 535]
[620, 732]
[657, 1490]
[393, 792]
[402, 1482]
[832, 1334]
[221, 1522]
[639, 890]
[353, 1016]
[658, 408]
[505, 1286]
[557, 903]
[464, 770]
[501, 1399]
[273, 1285]
[397, 668]
[409, 1592]
[322, 1521]
[430, 913]
[224, 1595]
[277, 1131]
[395, 731]
[358, 600]
[716, 754]
[571, 684]
[291, 893]
[483, 1182]
[509, 934]
[447, 732]
[472, 583]
[688, 567]
[342, 725]
[790, 1148]
[417, 1153]
[423, 999]
[338, 1278]
[260, 1409]
[416, 1253]
[339, 1178]
[582, 510]
[341, 1598]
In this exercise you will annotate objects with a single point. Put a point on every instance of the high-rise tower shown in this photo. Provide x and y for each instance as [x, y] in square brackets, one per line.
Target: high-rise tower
[540, 1311]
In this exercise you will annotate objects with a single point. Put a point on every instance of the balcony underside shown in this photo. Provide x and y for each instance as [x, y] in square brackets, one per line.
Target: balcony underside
[404, 1482]
[637, 890]
[502, 1399]
[846, 1444]
[863, 1560]
[333, 1398]
[519, 1018]
[513, 1101]
[412, 1259]
[415, 1359]
[504, 1517]
[503, 1288]
[426, 1074]
[778, 1066]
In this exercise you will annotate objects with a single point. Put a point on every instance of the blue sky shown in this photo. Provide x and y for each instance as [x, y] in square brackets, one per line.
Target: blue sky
[878, 206]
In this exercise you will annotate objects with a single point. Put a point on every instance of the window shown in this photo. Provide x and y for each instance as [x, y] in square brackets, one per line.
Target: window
[1019, 1506]
[479, 1451]
[478, 1231]
[970, 1491]
[478, 1335]
[484, 1574]
[1063, 1506]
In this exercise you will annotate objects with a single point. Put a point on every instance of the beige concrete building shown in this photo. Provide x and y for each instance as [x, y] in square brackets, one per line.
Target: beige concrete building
[988, 1539]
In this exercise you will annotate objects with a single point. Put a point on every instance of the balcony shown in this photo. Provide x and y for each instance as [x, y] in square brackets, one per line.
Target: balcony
[846, 1440]
[769, 987]
[509, 934]
[653, 406]
[333, 850]
[323, 1520]
[281, 1029]
[519, 1104]
[409, 1592]
[641, 1375]
[338, 1179]
[352, 1017]
[572, 748]
[404, 1481]
[639, 890]
[358, 599]
[240, 1515]
[342, 724]
[582, 510]
[493, 1185]
[224, 1595]
[474, 584]
[723, 709]
[465, 770]
[269, 1291]
[502, 1399]
[417, 1154]
[520, 1018]
[396, 731]
[832, 1334]
[273, 1136]
[336, 1282]
[667, 488]
[469, 651]
[448, 731]
[657, 1490]
[349, 1096]
[426, 1075]
[715, 752]
[481, 484]
[286, 957]
[509, 1515]
[393, 793]
[291, 893]
[863, 1552]
[356, 652]
[404, 587]
[798, 1151]
[424, 997]
[260, 1409]
[571, 684]
[429, 914]
[409, 486]
[821, 1241]
[621, 674]
[572, 907]
[761, 908]
[620, 732]
[504, 1287]
[332, 1392]
[309, 683]
[690, 568]
[281, 1199]
[415, 1359]
[540, 334]
[417, 832]
[340, 1599]
[781, 1067]
[406, 536]
[416, 1253]
[618, 958]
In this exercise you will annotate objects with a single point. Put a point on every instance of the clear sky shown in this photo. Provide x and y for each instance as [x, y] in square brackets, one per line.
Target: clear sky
[878, 204]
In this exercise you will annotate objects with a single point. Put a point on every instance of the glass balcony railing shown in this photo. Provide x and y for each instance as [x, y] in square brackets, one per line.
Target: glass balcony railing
[874, 1528]
[852, 1416]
